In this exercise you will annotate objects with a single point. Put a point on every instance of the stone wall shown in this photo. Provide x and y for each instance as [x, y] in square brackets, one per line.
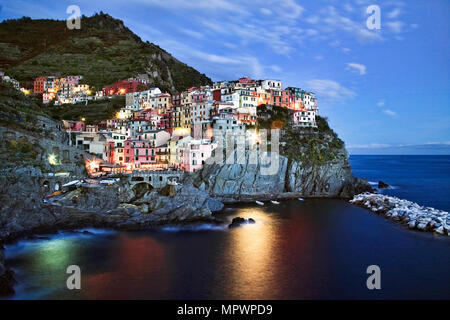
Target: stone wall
[156, 179]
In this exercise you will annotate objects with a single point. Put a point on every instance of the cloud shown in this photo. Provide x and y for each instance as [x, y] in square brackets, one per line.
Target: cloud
[395, 26]
[381, 103]
[394, 13]
[387, 145]
[311, 32]
[214, 58]
[329, 89]
[221, 66]
[369, 145]
[278, 36]
[333, 22]
[360, 68]
[348, 7]
[390, 112]
[289, 9]
[275, 68]
[266, 11]
[312, 19]
[204, 5]
[191, 33]
[438, 148]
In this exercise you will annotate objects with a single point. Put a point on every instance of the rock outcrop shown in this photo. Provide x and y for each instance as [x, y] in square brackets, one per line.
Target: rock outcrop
[406, 212]
[105, 206]
[382, 185]
[245, 181]
[238, 221]
[308, 163]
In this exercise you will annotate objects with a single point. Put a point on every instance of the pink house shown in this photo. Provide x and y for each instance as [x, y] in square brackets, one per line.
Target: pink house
[75, 126]
[194, 153]
[246, 80]
[158, 121]
[139, 154]
[73, 79]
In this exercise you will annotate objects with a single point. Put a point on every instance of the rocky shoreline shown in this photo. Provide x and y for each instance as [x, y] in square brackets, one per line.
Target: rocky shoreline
[405, 212]
[115, 207]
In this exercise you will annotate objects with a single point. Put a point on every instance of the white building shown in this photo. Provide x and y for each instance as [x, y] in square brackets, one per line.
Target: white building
[95, 143]
[137, 101]
[271, 85]
[157, 137]
[305, 118]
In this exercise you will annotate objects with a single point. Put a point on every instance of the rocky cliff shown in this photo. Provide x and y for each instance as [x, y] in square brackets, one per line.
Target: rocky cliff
[310, 163]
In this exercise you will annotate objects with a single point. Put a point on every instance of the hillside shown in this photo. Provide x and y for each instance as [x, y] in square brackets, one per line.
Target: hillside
[97, 110]
[104, 50]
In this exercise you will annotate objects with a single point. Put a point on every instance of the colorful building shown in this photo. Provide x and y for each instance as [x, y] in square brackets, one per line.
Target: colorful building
[125, 86]
[194, 153]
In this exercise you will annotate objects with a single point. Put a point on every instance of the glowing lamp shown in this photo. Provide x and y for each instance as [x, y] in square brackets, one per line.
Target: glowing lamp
[52, 159]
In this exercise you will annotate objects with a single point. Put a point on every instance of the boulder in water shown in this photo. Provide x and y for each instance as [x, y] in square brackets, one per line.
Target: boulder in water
[238, 221]
[382, 185]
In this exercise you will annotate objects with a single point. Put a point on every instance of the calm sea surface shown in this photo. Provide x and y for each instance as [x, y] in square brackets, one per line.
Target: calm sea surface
[317, 249]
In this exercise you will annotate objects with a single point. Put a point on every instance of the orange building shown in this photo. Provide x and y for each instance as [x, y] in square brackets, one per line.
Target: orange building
[39, 84]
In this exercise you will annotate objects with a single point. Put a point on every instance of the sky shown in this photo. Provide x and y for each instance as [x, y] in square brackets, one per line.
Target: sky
[385, 89]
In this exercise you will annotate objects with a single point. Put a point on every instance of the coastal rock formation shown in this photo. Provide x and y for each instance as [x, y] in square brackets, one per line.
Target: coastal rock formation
[382, 185]
[406, 212]
[246, 180]
[100, 206]
[238, 221]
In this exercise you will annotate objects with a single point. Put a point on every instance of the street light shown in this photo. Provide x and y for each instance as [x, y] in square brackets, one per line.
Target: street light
[52, 159]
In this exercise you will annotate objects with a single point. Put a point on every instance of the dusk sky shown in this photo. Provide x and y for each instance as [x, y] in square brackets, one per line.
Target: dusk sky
[381, 89]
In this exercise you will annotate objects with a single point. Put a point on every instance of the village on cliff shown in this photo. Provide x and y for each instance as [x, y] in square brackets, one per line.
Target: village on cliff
[158, 131]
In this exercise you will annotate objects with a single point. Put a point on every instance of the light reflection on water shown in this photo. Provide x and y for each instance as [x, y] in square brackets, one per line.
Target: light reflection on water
[312, 249]
[252, 249]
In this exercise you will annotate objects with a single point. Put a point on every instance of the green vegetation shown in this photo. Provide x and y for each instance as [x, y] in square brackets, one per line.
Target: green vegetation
[20, 151]
[312, 147]
[103, 51]
[17, 110]
[97, 110]
[272, 117]
[307, 145]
